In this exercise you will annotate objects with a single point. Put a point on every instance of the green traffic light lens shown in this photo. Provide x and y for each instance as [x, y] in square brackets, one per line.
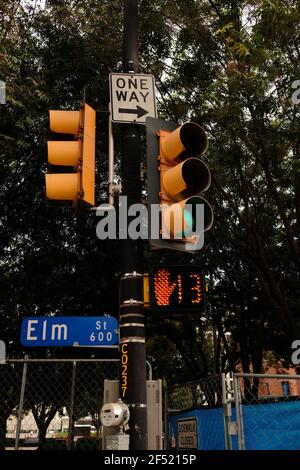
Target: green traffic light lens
[189, 223]
[190, 213]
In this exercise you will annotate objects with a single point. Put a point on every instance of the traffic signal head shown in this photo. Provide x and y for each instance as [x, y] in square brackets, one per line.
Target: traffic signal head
[71, 175]
[176, 178]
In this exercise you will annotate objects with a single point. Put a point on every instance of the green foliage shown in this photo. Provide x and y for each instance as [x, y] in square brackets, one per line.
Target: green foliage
[233, 64]
[48, 58]
[227, 65]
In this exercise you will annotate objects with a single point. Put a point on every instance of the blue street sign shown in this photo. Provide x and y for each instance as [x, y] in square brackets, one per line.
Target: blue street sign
[69, 331]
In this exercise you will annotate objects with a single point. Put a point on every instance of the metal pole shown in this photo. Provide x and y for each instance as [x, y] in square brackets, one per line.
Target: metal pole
[213, 318]
[132, 319]
[150, 370]
[224, 402]
[166, 436]
[269, 376]
[239, 412]
[21, 403]
[226, 413]
[71, 411]
[110, 159]
[2, 343]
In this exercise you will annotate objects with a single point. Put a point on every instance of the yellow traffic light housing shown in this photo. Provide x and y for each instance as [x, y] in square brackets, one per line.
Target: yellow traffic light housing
[146, 290]
[182, 177]
[70, 179]
[177, 177]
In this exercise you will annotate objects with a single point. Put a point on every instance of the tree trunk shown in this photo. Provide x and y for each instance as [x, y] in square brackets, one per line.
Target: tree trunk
[43, 419]
[271, 285]
[42, 435]
[3, 420]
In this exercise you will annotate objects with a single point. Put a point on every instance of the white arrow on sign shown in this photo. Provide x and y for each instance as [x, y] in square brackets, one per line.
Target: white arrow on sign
[140, 112]
[132, 97]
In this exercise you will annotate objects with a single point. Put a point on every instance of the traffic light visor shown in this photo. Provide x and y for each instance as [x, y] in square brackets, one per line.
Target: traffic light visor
[63, 153]
[188, 140]
[189, 177]
[63, 186]
[65, 122]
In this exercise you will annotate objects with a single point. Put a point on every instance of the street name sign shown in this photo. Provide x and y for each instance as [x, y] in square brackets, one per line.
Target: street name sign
[69, 331]
[132, 97]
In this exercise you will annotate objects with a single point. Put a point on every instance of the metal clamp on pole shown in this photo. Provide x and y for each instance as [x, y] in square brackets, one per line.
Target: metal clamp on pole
[129, 315]
[132, 339]
[131, 275]
[131, 302]
[132, 329]
[137, 405]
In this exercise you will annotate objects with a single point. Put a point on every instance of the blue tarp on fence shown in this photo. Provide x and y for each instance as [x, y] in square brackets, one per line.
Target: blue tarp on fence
[271, 426]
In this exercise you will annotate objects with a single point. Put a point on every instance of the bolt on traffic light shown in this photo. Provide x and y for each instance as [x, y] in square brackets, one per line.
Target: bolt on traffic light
[70, 179]
[176, 178]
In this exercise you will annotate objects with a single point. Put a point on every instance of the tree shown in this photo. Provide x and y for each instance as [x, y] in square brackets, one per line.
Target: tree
[10, 386]
[47, 392]
[228, 65]
[232, 68]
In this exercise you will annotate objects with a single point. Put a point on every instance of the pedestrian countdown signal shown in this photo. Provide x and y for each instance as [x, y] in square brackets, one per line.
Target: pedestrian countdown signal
[177, 289]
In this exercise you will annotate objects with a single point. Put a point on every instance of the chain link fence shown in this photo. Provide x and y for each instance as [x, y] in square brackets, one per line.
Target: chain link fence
[268, 411]
[190, 404]
[236, 411]
[53, 404]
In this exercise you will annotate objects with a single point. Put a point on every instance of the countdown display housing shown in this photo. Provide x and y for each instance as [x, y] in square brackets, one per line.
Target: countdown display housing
[177, 289]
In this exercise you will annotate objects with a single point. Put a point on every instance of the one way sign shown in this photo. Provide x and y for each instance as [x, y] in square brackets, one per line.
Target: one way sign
[132, 97]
